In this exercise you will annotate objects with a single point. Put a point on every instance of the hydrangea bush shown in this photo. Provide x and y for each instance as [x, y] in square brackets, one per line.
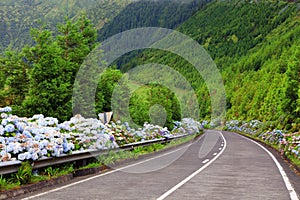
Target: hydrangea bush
[288, 143]
[38, 137]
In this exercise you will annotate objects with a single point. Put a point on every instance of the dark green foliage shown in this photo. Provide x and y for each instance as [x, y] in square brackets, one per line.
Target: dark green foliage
[56, 171]
[54, 63]
[291, 86]
[273, 88]
[155, 104]
[18, 17]
[150, 13]
[106, 86]
[230, 29]
[14, 79]
[24, 174]
[255, 46]
[3, 182]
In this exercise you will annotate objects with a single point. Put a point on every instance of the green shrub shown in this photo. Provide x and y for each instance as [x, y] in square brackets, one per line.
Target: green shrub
[24, 174]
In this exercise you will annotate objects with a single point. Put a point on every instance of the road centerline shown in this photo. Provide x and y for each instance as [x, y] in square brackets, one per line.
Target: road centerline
[174, 188]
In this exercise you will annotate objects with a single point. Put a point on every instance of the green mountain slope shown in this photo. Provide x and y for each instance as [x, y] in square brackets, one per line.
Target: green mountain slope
[255, 45]
[18, 17]
[256, 48]
[269, 78]
[151, 13]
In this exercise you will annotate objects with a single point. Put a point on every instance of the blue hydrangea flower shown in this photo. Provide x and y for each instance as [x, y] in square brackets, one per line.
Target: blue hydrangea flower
[1, 130]
[9, 128]
[111, 138]
[43, 152]
[10, 139]
[4, 122]
[20, 126]
[5, 109]
[27, 134]
[21, 156]
[34, 156]
[27, 155]
[4, 115]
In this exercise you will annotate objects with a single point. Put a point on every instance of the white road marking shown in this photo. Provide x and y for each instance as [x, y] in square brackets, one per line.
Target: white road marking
[215, 154]
[173, 189]
[209, 142]
[288, 184]
[220, 148]
[205, 161]
[110, 172]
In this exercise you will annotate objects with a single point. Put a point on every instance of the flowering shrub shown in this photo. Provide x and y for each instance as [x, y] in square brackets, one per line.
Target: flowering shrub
[288, 143]
[291, 143]
[31, 138]
[251, 127]
[37, 137]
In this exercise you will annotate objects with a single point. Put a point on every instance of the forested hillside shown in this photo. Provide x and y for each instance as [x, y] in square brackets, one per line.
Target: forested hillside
[18, 17]
[40, 77]
[151, 13]
[256, 48]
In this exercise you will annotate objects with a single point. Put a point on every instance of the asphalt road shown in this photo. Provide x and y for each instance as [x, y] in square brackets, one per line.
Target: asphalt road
[218, 165]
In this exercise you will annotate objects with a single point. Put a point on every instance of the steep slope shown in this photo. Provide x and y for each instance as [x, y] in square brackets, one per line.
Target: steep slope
[151, 13]
[18, 17]
[268, 79]
[256, 47]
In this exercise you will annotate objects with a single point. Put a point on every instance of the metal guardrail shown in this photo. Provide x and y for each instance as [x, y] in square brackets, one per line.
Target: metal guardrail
[12, 166]
[143, 143]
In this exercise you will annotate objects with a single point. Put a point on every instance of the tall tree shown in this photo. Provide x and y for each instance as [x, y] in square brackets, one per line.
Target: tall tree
[291, 86]
[49, 90]
[106, 86]
[76, 39]
[14, 78]
[55, 62]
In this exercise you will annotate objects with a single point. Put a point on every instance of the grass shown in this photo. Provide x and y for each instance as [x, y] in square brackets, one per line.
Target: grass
[7, 185]
[294, 160]
[16, 180]
[54, 172]
[39, 178]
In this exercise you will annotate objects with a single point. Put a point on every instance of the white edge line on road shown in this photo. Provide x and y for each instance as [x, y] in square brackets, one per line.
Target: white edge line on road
[173, 189]
[288, 184]
[110, 172]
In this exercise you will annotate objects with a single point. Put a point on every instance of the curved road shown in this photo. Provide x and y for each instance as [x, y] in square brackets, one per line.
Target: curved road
[218, 165]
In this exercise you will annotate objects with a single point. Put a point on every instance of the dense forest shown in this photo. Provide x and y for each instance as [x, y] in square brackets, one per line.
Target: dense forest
[255, 45]
[256, 48]
[18, 17]
[163, 13]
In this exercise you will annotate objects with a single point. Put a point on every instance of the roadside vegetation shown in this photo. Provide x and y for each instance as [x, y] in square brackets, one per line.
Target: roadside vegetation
[26, 175]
